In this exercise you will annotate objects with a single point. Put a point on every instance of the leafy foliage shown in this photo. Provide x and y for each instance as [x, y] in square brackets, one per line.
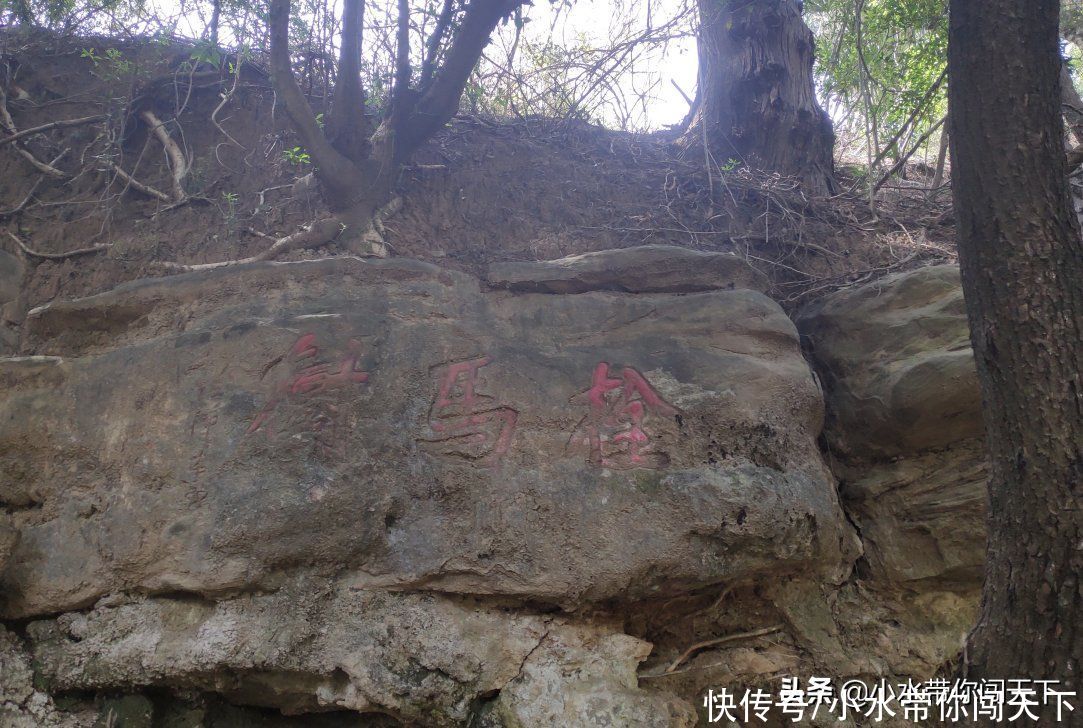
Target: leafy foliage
[901, 54]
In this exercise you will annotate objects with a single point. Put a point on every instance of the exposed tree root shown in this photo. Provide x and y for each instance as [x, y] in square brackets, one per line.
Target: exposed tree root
[139, 186]
[58, 256]
[321, 232]
[720, 641]
[61, 124]
[375, 235]
[22, 205]
[178, 163]
[8, 125]
[314, 235]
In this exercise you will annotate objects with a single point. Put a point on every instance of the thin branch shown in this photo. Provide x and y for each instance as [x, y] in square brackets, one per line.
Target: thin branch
[41, 166]
[913, 116]
[226, 98]
[906, 157]
[432, 44]
[8, 124]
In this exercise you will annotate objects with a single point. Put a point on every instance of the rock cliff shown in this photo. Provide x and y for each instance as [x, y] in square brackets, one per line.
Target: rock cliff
[380, 490]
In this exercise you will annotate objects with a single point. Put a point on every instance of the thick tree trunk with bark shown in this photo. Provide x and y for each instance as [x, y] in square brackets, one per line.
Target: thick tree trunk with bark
[755, 101]
[1022, 267]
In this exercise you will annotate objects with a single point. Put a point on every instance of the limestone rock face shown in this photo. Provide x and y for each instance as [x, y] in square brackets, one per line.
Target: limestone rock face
[314, 646]
[905, 422]
[22, 704]
[395, 424]
[385, 493]
[642, 269]
[307, 649]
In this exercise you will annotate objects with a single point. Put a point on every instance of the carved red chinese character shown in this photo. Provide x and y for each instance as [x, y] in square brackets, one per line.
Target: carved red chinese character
[614, 431]
[307, 401]
[467, 423]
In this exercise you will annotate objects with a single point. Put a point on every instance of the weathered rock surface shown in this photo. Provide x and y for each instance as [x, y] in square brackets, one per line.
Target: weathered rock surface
[642, 269]
[24, 704]
[904, 419]
[896, 363]
[314, 646]
[399, 493]
[922, 517]
[390, 421]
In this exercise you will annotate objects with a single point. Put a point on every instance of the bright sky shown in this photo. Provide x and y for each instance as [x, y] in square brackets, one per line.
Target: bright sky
[599, 21]
[653, 70]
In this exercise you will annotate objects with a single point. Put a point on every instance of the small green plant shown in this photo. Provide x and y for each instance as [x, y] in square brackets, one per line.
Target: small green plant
[319, 120]
[230, 213]
[296, 156]
[112, 63]
[206, 52]
[730, 165]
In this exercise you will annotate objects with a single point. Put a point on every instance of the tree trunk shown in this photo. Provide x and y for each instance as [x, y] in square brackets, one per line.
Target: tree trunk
[1022, 270]
[756, 103]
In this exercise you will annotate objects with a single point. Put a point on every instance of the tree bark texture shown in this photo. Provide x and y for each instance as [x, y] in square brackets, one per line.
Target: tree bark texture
[1022, 271]
[756, 98]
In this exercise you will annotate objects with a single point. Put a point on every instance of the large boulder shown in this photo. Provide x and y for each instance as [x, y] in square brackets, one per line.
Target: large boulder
[405, 428]
[904, 422]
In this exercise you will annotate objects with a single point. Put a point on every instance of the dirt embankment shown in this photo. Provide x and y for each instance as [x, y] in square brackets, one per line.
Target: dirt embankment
[483, 190]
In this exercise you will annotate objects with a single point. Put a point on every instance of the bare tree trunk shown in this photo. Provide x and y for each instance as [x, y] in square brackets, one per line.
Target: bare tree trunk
[340, 177]
[941, 159]
[1022, 269]
[347, 126]
[756, 96]
[212, 27]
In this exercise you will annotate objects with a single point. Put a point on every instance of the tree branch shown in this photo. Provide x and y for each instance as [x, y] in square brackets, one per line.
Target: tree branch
[441, 100]
[906, 157]
[913, 115]
[432, 45]
[347, 125]
[720, 641]
[403, 71]
[336, 171]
